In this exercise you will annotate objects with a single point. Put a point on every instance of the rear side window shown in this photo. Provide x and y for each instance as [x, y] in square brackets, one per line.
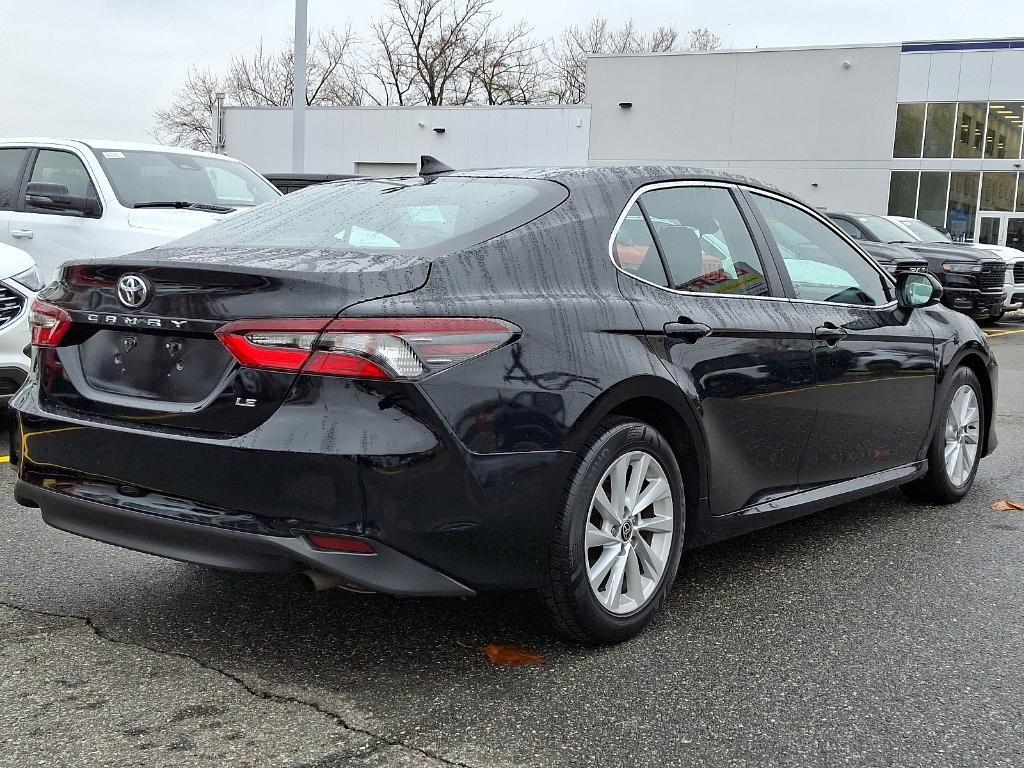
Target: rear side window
[11, 163]
[705, 241]
[393, 215]
[634, 249]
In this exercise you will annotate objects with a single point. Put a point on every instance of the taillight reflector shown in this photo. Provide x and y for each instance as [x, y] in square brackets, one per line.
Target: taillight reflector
[49, 324]
[341, 544]
[364, 348]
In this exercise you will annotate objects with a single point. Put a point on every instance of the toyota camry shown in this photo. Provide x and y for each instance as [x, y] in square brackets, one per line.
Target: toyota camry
[535, 379]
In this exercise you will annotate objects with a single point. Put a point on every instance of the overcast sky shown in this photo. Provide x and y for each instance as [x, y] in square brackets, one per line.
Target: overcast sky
[98, 68]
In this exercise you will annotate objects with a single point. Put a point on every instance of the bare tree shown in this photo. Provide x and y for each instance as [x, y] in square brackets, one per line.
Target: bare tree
[261, 79]
[188, 121]
[567, 56]
[426, 51]
[702, 39]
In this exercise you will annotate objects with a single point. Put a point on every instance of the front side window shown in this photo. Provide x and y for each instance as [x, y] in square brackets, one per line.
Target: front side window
[848, 227]
[705, 241]
[11, 163]
[634, 250]
[821, 265]
[65, 169]
[141, 177]
[395, 215]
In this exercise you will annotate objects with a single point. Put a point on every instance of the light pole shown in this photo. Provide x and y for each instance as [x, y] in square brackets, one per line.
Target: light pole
[299, 89]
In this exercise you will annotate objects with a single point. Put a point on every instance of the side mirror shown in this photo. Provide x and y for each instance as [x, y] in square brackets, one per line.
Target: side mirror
[55, 197]
[917, 289]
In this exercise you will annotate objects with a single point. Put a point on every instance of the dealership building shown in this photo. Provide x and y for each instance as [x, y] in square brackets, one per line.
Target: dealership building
[925, 129]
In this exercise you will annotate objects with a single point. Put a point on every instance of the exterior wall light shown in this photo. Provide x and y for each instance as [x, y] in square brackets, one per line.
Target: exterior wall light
[625, 104]
[439, 130]
[846, 64]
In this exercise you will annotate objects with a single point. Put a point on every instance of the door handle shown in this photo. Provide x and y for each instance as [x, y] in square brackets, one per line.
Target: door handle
[686, 330]
[22, 234]
[830, 333]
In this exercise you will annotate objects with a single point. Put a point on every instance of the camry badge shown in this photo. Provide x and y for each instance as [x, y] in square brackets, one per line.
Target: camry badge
[132, 291]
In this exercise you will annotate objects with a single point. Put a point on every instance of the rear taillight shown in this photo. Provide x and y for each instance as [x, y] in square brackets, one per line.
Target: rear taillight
[364, 348]
[49, 324]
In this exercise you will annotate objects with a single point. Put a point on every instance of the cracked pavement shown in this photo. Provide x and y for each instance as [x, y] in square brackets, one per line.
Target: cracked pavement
[876, 634]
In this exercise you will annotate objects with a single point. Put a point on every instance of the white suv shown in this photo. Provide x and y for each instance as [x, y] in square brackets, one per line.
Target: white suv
[19, 282]
[63, 199]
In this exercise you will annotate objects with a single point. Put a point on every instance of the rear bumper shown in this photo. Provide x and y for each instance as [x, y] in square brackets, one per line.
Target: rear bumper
[373, 461]
[386, 571]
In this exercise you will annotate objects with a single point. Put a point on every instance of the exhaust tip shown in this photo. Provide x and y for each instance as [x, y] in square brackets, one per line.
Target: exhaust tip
[318, 581]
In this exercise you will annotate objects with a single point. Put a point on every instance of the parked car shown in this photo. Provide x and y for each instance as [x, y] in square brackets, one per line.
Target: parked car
[894, 258]
[972, 280]
[63, 199]
[293, 182]
[500, 379]
[19, 282]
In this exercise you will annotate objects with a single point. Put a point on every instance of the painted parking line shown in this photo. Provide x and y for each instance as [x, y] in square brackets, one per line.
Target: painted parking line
[4, 459]
[1004, 333]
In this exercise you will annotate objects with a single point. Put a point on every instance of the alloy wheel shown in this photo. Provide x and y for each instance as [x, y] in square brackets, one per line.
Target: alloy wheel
[963, 421]
[629, 532]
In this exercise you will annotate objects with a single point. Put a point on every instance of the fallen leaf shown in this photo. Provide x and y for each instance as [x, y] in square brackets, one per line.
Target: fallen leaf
[1007, 506]
[511, 655]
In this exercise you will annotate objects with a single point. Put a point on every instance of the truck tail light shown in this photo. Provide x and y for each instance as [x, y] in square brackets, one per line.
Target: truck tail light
[49, 324]
[364, 348]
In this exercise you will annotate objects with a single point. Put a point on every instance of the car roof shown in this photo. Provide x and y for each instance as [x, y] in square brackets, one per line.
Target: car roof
[109, 144]
[629, 176]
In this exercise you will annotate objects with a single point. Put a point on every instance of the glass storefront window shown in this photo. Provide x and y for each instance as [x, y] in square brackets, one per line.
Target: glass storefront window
[1020, 192]
[902, 193]
[997, 191]
[938, 130]
[962, 207]
[909, 130]
[1005, 124]
[931, 200]
[970, 130]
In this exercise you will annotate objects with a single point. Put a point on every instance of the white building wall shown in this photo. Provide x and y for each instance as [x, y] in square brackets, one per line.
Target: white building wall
[337, 139]
[798, 118]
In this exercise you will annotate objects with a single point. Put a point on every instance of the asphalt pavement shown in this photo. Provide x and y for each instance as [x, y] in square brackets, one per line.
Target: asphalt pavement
[879, 633]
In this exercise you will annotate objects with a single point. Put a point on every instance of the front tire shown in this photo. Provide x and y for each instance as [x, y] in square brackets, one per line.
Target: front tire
[956, 447]
[618, 536]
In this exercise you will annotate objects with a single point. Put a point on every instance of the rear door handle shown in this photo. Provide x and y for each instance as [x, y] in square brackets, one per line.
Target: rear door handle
[830, 333]
[689, 332]
[22, 234]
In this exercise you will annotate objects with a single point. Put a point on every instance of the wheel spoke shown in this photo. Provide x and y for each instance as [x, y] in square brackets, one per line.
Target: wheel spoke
[656, 524]
[636, 480]
[600, 569]
[652, 493]
[613, 590]
[634, 579]
[604, 507]
[652, 562]
[598, 538]
[619, 470]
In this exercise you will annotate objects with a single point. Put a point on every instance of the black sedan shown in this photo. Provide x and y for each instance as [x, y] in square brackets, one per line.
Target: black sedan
[556, 380]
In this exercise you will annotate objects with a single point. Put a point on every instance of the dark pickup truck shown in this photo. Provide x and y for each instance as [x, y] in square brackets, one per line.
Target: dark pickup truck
[972, 281]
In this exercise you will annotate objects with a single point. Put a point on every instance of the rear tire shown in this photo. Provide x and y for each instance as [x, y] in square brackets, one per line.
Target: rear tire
[956, 447]
[618, 535]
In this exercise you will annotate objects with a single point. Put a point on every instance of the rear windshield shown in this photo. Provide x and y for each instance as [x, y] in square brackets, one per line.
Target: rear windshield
[387, 215]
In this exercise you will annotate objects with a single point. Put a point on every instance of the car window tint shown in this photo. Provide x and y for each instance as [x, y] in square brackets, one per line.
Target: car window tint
[634, 249]
[820, 264]
[705, 241]
[849, 228]
[65, 169]
[11, 162]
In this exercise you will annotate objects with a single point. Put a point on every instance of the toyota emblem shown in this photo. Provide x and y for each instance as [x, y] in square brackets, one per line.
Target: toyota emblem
[133, 291]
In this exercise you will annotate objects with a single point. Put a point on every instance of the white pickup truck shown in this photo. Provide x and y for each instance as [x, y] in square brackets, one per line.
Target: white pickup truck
[62, 199]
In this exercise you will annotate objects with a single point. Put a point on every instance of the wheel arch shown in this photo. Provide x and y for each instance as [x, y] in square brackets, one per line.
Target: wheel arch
[975, 358]
[660, 403]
